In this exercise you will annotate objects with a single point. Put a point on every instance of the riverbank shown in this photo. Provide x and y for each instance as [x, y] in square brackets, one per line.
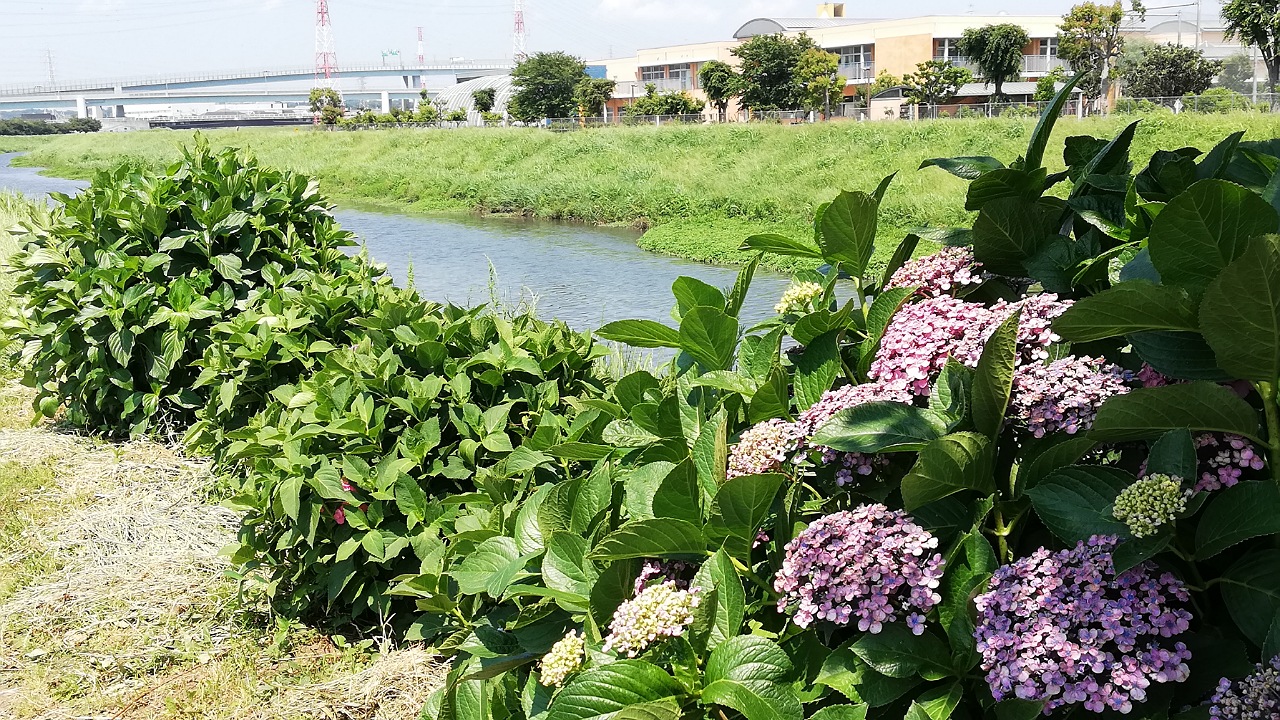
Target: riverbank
[697, 190]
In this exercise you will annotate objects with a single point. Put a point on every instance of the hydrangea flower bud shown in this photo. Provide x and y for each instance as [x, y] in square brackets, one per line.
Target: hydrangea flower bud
[1065, 628]
[1149, 503]
[763, 448]
[1064, 396]
[564, 659]
[870, 565]
[1256, 697]
[659, 611]
[798, 297]
[949, 269]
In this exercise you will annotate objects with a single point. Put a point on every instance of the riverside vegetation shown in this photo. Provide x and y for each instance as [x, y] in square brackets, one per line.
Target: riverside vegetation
[698, 190]
[1032, 473]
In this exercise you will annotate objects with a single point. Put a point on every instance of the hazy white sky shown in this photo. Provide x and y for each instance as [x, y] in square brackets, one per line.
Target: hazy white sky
[106, 38]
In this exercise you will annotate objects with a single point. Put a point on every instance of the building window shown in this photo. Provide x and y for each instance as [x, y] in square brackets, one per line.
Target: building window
[855, 54]
[655, 72]
[681, 75]
[1049, 47]
[946, 48]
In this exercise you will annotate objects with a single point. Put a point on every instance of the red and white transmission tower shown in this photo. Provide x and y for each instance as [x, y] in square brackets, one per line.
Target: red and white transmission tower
[422, 59]
[520, 51]
[326, 56]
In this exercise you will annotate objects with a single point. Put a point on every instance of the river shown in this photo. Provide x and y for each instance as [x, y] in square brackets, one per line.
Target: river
[581, 274]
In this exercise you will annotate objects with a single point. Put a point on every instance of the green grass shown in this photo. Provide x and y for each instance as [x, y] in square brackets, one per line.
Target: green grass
[702, 189]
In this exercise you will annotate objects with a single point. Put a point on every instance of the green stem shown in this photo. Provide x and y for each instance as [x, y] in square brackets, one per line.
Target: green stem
[1002, 537]
[750, 575]
[1268, 392]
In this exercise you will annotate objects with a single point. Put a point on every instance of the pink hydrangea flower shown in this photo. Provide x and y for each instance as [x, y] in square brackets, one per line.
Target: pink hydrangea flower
[942, 273]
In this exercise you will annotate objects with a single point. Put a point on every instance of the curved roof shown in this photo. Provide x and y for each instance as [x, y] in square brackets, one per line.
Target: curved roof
[458, 97]
[769, 26]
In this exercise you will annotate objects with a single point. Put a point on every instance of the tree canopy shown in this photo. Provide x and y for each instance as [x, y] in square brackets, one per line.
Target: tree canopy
[1256, 23]
[820, 83]
[720, 83]
[997, 51]
[545, 85]
[934, 82]
[484, 98]
[1089, 38]
[1237, 73]
[669, 103]
[591, 94]
[1170, 71]
[327, 103]
[768, 71]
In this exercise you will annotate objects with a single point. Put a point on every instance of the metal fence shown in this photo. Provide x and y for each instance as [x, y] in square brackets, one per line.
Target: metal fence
[578, 123]
[1210, 102]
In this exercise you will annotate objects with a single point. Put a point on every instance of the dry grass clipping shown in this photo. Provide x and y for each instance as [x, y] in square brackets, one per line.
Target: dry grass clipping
[395, 687]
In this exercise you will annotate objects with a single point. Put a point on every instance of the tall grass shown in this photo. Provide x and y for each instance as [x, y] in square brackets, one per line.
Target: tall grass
[702, 187]
[14, 209]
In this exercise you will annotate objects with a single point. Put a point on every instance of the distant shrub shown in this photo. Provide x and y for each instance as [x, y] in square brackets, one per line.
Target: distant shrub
[1216, 100]
[458, 115]
[1020, 111]
[43, 127]
[1138, 106]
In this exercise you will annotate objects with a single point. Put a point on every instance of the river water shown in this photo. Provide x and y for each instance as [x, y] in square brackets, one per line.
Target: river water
[584, 275]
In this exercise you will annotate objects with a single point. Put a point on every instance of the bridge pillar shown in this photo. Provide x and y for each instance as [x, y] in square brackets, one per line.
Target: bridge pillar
[386, 102]
[82, 107]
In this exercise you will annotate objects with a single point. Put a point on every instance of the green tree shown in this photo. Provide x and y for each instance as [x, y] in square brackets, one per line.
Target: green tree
[768, 71]
[544, 86]
[1171, 71]
[484, 98]
[591, 94]
[934, 82]
[819, 82]
[1237, 73]
[1047, 86]
[720, 83]
[997, 51]
[884, 80]
[1089, 38]
[672, 103]
[327, 103]
[1256, 23]
[427, 113]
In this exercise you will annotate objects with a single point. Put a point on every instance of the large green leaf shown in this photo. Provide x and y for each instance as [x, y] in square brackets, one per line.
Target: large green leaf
[656, 537]
[640, 333]
[1204, 229]
[719, 615]
[1251, 589]
[738, 293]
[847, 230]
[710, 336]
[993, 378]
[1181, 355]
[1126, 308]
[816, 369]
[565, 566]
[898, 653]
[1034, 157]
[1075, 502]
[880, 427]
[747, 673]
[948, 465]
[1065, 450]
[1240, 315]
[841, 712]
[1150, 412]
[848, 674]
[1174, 454]
[969, 167]
[1111, 157]
[1004, 183]
[491, 567]
[1009, 231]
[691, 292]
[780, 245]
[1233, 515]
[599, 693]
[743, 502]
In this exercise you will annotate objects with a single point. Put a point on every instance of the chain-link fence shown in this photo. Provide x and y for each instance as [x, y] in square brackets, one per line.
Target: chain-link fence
[1217, 100]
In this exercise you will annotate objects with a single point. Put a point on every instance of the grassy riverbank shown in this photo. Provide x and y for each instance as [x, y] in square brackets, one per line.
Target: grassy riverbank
[699, 190]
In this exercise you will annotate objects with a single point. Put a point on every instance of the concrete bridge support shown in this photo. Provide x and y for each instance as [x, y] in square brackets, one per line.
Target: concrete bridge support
[82, 107]
[386, 102]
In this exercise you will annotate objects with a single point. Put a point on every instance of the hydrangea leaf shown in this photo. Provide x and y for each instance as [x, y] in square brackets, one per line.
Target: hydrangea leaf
[1241, 313]
[1204, 229]
[780, 245]
[847, 230]
[1075, 502]
[1251, 589]
[841, 712]
[747, 673]
[656, 537]
[1181, 355]
[1233, 515]
[720, 615]
[710, 336]
[897, 653]
[600, 693]
[1271, 646]
[742, 503]
[1004, 183]
[1174, 454]
[948, 465]
[1007, 232]
[691, 292]
[936, 704]
[993, 379]
[1151, 412]
[615, 585]
[565, 566]
[846, 673]
[967, 167]
[1126, 308]
[1014, 709]
[494, 564]
[1054, 452]
[880, 427]
[640, 333]
[816, 368]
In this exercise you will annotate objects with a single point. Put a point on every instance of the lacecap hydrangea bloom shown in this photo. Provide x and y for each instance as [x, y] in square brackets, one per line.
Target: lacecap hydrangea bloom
[798, 297]
[763, 448]
[1256, 697]
[942, 273]
[1064, 628]
[1064, 396]
[564, 659]
[657, 612]
[832, 402]
[1149, 503]
[870, 566]
[654, 571]
[1223, 460]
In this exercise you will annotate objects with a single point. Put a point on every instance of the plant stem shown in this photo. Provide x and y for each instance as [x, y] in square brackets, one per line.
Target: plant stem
[747, 572]
[1268, 392]
[1002, 536]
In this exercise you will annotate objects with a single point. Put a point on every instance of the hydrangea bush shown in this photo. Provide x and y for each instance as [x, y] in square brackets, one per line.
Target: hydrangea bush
[1026, 474]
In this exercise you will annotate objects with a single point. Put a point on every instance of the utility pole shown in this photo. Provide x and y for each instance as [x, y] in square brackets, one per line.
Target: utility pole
[520, 50]
[48, 61]
[326, 55]
[422, 59]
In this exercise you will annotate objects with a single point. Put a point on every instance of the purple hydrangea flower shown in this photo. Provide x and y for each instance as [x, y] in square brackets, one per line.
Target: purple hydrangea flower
[1223, 460]
[1066, 629]
[1064, 395]
[870, 565]
[763, 448]
[1256, 697]
[949, 269]
[832, 402]
[661, 571]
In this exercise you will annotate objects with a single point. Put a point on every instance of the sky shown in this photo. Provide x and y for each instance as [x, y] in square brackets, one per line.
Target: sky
[128, 38]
